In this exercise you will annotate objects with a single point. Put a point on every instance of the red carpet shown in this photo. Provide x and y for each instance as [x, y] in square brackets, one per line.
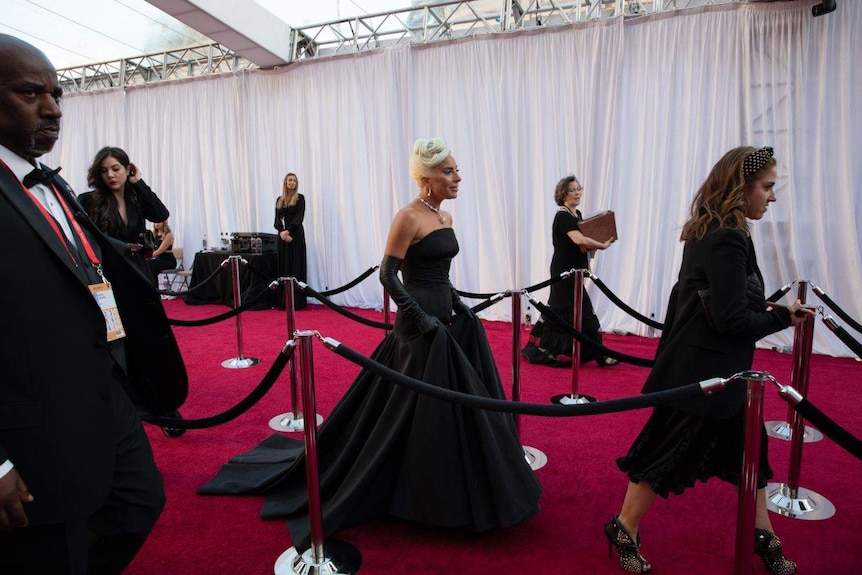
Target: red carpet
[689, 534]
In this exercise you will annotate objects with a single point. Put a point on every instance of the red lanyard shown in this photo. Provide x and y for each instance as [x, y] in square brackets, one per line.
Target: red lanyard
[82, 238]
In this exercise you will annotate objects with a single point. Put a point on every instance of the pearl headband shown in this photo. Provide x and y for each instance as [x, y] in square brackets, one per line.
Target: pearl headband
[755, 161]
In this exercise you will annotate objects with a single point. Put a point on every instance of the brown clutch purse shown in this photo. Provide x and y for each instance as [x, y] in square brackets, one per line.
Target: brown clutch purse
[600, 227]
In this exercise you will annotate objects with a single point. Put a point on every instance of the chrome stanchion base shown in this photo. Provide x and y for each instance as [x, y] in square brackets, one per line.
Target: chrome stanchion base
[783, 430]
[286, 422]
[805, 505]
[240, 362]
[535, 458]
[571, 399]
[338, 557]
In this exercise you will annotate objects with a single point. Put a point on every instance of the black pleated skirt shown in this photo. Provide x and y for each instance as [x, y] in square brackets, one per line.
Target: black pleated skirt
[675, 449]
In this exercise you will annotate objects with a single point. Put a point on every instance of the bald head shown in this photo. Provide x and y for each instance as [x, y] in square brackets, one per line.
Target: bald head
[29, 99]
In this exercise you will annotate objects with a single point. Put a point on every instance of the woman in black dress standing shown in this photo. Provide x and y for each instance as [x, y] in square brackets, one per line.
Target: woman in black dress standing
[550, 345]
[716, 312]
[121, 202]
[289, 213]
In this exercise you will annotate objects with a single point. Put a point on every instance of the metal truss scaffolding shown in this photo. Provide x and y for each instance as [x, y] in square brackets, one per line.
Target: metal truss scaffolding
[173, 65]
[419, 24]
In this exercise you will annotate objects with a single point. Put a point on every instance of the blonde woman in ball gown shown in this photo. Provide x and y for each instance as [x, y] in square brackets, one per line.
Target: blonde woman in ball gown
[386, 450]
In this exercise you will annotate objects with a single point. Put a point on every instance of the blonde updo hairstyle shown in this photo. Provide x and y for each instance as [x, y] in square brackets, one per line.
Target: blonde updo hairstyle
[427, 153]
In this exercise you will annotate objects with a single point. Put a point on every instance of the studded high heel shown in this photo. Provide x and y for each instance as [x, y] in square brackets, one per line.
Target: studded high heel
[628, 549]
[768, 547]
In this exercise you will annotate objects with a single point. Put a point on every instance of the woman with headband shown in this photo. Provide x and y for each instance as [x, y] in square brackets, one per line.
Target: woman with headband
[716, 312]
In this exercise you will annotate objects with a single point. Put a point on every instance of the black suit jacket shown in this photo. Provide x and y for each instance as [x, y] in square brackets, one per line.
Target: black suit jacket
[58, 371]
[717, 340]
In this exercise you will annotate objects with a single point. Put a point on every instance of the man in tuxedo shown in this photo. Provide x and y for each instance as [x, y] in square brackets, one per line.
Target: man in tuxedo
[79, 490]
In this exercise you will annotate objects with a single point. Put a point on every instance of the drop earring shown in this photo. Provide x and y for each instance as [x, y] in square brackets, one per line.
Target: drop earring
[428, 192]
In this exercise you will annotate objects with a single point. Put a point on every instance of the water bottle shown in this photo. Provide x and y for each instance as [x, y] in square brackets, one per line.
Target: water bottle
[204, 240]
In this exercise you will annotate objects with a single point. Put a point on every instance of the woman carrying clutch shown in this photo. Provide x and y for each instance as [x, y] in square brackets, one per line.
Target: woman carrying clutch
[550, 344]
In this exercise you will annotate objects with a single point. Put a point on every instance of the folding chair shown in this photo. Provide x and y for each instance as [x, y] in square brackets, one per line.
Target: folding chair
[172, 276]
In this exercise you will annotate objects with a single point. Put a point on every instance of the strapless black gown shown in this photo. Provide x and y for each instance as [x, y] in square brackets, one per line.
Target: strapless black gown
[386, 450]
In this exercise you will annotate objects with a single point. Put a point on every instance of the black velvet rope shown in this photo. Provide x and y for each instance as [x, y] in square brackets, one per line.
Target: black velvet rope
[257, 272]
[217, 271]
[622, 305]
[489, 302]
[347, 286]
[779, 293]
[829, 428]
[551, 315]
[847, 339]
[838, 311]
[687, 392]
[472, 295]
[245, 306]
[232, 413]
[532, 288]
[335, 307]
[545, 283]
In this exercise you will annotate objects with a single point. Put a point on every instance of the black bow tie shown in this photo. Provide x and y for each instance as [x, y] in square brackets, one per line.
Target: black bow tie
[39, 176]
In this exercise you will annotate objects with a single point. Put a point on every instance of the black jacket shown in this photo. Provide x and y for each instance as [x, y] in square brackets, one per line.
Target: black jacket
[717, 339]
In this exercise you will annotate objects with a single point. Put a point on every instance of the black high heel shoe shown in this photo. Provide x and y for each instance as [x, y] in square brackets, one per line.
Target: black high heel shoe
[607, 361]
[628, 549]
[768, 547]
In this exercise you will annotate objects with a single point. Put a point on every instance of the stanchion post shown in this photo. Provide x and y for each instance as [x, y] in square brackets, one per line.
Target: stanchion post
[797, 422]
[799, 375]
[747, 506]
[535, 458]
[322, 557]
[240, 361]
[309, 408]
[516, 354]
[290, 313]
[577, 324]
[803, 341]
[294, 420]
[789, 499]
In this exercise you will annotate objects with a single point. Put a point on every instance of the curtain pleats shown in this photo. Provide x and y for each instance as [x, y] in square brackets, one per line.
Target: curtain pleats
[639, 109]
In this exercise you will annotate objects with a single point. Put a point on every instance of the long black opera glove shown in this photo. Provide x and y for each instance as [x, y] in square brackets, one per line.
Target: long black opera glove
[407, 306]
[458, 306]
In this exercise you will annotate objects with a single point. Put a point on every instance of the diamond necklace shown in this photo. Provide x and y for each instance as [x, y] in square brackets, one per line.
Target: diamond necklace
[440, 216]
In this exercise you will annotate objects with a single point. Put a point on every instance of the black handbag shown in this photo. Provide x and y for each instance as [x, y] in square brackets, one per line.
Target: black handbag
[148, 241]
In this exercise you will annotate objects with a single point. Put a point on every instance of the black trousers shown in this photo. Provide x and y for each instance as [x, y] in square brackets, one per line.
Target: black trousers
[106, 542]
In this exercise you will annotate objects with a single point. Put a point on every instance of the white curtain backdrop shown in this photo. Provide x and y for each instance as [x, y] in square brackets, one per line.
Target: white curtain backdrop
[639, 109]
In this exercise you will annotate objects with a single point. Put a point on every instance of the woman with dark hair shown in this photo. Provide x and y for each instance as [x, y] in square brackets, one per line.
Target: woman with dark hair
[121, 203]
[716, 312]
[550, 344]
[289, 213]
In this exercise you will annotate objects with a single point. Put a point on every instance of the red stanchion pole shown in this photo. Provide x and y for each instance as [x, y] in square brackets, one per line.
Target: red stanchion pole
[747, 506]
[240, 361]
[577, 323]
[293, 420]
[789, 499]
[535, 458]
[328, 557]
